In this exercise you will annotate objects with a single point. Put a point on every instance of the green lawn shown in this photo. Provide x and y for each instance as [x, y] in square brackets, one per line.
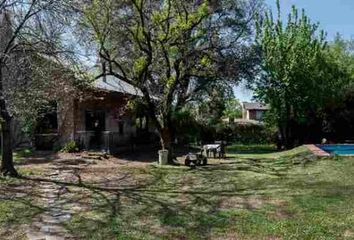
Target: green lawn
[17, 207]
[288, 195]
[259, 151]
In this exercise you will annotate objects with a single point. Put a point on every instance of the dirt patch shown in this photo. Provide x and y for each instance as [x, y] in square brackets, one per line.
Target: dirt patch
[281, 214]
[13, 233]
[348, 234]
[256, 202]
[250, 202]
[232, 203]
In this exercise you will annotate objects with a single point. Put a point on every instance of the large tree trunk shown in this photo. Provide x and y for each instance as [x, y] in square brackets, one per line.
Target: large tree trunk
[288, 140]
[166, 142]
[7, 165]
[281, 137]
[286, 137]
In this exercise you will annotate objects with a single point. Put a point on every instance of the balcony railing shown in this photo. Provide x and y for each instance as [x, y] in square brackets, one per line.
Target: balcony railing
[107, 141]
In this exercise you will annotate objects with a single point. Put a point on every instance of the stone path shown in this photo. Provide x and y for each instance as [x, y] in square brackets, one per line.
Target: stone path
[49, 224]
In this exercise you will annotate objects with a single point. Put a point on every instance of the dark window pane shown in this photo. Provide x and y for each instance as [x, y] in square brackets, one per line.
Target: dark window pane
[95, 121]
[121, 127]
[47, 121]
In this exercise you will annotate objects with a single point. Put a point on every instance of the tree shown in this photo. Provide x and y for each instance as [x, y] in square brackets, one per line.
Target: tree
[233, 109]
[298, 75]
[338, 113]
[30, 31]
[173, 50]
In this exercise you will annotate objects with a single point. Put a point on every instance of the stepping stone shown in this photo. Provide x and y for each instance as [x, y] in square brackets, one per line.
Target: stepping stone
[56, 173]
[59, 213]
[65, 217]
[76, 208]
[52, 221]
[52, 229]
[48, 224]
[55, 238]
[49, 184]
[61, 202]
[35, 235]
[49, 196]
[20, 195]
[51, 201]
[50, 190]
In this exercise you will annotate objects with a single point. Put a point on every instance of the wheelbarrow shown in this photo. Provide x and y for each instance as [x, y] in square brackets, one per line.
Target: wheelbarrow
[195, 159]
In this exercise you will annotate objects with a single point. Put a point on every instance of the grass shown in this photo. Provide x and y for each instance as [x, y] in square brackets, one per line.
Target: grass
[13, 212]
[262, 195]
[17, 208]
[290, 195]
[21, 154]
[259, 151]
[251, 148]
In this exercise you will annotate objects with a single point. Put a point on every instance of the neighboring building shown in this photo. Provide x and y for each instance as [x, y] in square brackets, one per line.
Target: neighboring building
[254, 111]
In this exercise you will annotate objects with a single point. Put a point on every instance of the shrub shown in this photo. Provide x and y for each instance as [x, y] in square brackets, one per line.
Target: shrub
[254, 134]
[70, 147]
[24, 153]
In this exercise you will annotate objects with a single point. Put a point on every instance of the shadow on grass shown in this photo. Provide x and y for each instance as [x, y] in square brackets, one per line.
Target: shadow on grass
[169, 204]
[35, 157]
[175, 203]
[156, 208]
[18, 206]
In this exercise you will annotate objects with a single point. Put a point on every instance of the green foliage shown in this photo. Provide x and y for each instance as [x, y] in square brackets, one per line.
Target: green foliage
[251, 149]
[253, 134]
[233, 109]
[175, 51]
[211, 107]
[187, 128]
[139, 65]
[24, 153]
[338, 113]
[70, 147]
[300, 73]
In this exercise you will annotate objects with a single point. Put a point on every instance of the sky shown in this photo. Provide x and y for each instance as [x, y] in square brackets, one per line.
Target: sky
[334, 16]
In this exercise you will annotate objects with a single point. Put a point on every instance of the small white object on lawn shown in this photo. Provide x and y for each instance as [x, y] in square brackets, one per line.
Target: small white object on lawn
[163, 157]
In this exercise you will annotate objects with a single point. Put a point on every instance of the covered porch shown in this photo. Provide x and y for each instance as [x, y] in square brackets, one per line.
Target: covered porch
[100, 119]
[105, 123]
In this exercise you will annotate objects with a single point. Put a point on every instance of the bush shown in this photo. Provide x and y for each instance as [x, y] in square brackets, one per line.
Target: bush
[25, 152]
[70, 147]
[253, 134]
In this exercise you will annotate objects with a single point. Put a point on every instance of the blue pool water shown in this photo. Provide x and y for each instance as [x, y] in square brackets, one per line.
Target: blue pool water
[338, 149]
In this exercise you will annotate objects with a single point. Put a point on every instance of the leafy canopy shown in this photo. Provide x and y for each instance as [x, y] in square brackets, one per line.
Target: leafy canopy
[299, 74]
[173, 51]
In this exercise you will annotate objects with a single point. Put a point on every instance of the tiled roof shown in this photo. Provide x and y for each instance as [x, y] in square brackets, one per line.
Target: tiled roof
[255, 106]
[111, 83]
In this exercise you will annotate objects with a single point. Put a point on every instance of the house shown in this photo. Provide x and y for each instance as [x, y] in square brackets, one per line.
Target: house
[95, 115]
[254, 111]
[96, 119]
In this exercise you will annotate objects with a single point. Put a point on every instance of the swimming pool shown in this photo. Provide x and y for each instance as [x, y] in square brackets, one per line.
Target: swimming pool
[338, 149]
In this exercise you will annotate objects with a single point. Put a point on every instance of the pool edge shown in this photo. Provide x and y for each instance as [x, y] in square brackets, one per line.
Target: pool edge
[317, 151]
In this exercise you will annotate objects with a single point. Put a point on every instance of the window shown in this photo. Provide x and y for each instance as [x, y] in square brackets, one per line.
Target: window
[47, 121]
[141, 123]
[121, 127]
[259, 115]
[95, 121]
